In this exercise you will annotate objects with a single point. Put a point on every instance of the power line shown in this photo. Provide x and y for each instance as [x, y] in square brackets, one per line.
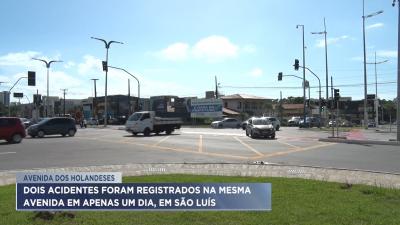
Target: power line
[293, 87]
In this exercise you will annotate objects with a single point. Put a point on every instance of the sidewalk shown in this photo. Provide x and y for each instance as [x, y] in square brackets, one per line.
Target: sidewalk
[361, 136]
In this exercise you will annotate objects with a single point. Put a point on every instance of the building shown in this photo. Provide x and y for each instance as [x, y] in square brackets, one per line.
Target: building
[248, 104]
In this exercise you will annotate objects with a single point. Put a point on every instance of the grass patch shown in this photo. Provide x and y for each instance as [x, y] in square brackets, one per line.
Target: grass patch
[294, 201]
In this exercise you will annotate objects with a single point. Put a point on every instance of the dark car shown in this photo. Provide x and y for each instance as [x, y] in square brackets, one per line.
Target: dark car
[310, 122]
[12, 129]
[57, 125]
[260, 127]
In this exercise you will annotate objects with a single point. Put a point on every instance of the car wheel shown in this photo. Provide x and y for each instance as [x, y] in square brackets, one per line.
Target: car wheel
[33, 136]
[16, 138]
[146, 132]
[252, 134]
[277, 127]
[219, 125]
[247, 133]
[71, 132]
[40, 133]
[168, 132]
[134, 133]
[273, 136]
[63, 135]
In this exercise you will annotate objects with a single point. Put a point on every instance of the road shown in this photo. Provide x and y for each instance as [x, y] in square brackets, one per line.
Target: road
[94, 146]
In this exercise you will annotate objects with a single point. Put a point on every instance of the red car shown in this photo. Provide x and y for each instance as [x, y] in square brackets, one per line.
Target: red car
[12, 129]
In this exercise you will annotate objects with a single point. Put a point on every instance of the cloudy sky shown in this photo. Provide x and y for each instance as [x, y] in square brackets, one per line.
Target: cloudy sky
[178, 46]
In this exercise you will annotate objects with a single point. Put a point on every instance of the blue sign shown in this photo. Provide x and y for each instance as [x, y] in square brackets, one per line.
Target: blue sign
[143, 196]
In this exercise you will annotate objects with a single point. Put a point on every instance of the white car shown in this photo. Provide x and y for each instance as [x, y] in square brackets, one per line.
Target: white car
[226, 123]
[275, 122]
[92, 121]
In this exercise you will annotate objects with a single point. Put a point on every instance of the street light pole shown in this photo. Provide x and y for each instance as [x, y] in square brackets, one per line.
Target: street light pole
[137, 105]
[47, 63]
[304, 75]
[365, 64]
[107, 46]
[376, 90]
[95, 98]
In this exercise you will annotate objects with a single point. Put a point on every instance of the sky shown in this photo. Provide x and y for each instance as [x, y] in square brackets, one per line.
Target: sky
[177, 47]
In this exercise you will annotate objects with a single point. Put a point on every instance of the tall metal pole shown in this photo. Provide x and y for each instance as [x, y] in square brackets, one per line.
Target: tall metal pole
[47, 63]
[376, 101]
[333, 129]
[95, 98]
[304, 76]
[64, 90]
[107, 45]
[326, 61]
[105, 91]
[365, 73]
[129, 96]
[398, 76]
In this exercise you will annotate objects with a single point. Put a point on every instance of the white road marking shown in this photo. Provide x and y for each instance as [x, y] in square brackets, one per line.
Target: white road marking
[4, 153]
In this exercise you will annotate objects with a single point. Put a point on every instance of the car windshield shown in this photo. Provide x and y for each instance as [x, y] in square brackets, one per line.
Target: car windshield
[135, 117]
[261, 122]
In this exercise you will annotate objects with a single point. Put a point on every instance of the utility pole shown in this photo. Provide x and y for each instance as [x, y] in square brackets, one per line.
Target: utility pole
[129, 97]
[216, 88]
[333, 129]
[398, 70]
[95, 98]
[326, 62]
[376, 102]
[64, 92]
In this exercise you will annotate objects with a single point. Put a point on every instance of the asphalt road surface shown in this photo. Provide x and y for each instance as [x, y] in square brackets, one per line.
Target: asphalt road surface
[294, 146]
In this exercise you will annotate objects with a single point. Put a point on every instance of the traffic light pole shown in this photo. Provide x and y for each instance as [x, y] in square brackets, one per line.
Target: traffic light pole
[9, 95]
[304, 76]
[319, 83]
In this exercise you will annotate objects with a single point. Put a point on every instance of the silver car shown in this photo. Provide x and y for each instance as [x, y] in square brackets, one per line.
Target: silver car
[226, 123]
[274, 121]
[260, 127]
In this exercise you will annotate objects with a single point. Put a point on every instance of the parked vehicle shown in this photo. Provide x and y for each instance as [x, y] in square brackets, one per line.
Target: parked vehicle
[332, 123]
[92, 121]
[244, 123]
[146, 122]
[50, 126]
[310, 122]
[26, 122]
[12, 129]
[275, 122]
[294, 121]
[226, 123]
[260, 127]
[371, 123]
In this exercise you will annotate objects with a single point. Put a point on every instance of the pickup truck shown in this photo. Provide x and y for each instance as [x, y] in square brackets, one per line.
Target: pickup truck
[147, 122]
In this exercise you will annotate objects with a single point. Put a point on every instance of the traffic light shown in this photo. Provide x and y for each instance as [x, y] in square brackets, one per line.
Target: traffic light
[296, 64]
[280, 76]
[31, 78]
[37, 99]
[105, 66]
[337, 94]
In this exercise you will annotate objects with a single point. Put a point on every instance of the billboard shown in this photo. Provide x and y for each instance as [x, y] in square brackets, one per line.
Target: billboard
[206, 108]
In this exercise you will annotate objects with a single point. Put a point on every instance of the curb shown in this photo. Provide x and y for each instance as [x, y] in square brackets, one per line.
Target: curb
[372, 178]
[360, 142]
